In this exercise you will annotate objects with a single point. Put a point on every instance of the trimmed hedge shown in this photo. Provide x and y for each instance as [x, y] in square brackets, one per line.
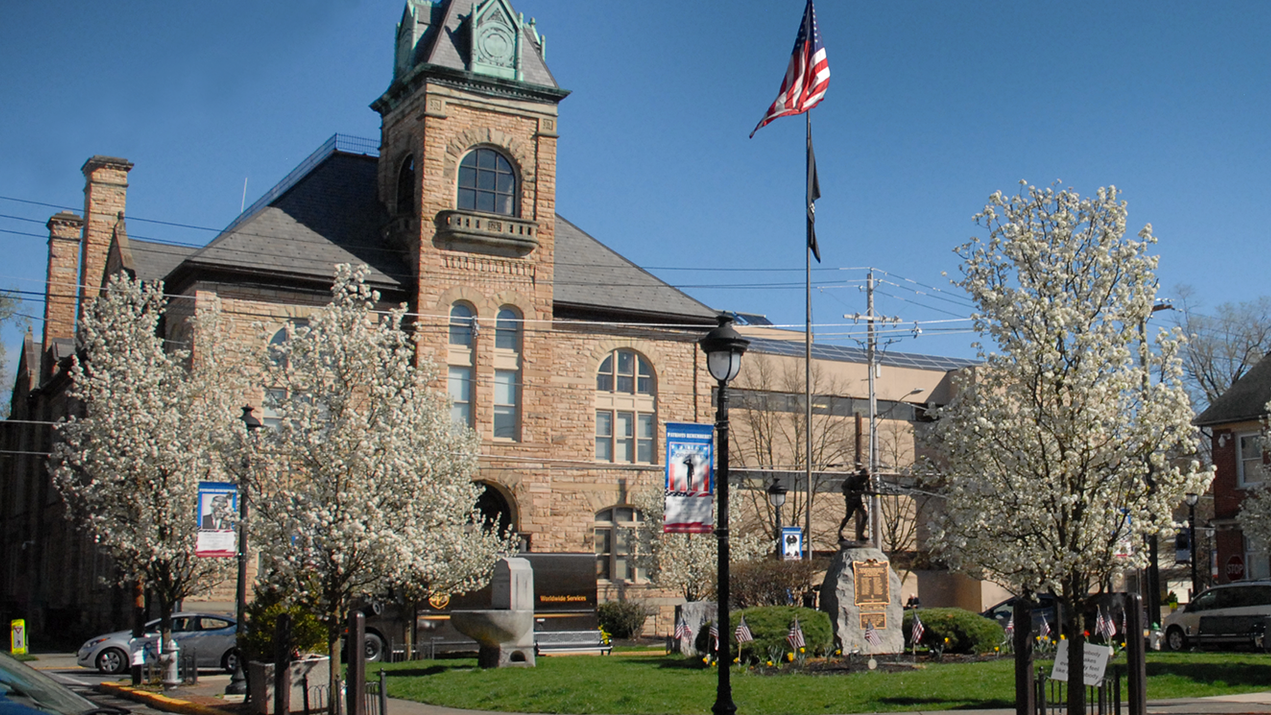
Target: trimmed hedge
[958, 630]
[769, 625]
[622, 619]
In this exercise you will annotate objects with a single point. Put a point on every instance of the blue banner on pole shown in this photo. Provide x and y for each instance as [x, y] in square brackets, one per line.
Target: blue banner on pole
[217, 519]
[690, 483]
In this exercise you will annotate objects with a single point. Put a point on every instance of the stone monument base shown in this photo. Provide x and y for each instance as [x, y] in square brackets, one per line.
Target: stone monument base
[861, 588]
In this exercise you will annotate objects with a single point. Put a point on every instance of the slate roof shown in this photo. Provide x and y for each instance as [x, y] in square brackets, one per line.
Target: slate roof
[1245, 400]
[316, 218]
[153, 260]
[591, 275]
[446, 45]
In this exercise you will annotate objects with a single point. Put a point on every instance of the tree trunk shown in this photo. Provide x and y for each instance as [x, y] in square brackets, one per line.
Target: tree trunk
[1074, 627]
[333, 650]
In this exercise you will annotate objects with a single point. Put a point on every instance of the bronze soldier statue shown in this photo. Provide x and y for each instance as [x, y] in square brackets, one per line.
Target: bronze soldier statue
[854, 489]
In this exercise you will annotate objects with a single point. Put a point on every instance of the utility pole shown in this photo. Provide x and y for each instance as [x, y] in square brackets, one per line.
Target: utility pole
[871, 351]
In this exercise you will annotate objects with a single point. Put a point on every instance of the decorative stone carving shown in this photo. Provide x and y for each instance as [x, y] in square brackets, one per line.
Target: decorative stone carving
[496, 40]
[484, 233]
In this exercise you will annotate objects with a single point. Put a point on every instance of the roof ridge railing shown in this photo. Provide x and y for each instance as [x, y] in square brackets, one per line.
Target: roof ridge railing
[338, 142]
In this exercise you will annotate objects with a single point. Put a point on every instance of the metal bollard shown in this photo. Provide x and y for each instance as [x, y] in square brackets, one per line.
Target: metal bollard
[383, 692]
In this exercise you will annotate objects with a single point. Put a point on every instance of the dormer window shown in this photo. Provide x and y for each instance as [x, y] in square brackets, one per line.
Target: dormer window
[487, 183]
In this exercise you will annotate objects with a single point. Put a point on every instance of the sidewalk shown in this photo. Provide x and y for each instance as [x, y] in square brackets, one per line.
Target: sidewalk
[207, 698]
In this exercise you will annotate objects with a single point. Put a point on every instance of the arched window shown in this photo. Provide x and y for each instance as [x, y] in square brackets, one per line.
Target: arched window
[406, 186]
[487, 183]
[507, 374]
[277, 353]
[616, 544]
[495, 510]
[461, 361]
[626, 409]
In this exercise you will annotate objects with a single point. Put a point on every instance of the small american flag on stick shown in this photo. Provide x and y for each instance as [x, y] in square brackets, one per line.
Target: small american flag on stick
[871, 634]
[916, 631]
[743, 632]
[795, 636]
[681, 629]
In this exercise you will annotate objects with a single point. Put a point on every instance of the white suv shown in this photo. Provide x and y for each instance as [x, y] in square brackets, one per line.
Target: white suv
[1231, 613]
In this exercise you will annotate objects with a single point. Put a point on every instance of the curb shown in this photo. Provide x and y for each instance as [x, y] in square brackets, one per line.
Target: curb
[159, 701]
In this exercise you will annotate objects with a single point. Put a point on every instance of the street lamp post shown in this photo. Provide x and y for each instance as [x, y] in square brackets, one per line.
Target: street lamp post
[777, 498]
[723, 347]
[1191, 526]
[238, 681]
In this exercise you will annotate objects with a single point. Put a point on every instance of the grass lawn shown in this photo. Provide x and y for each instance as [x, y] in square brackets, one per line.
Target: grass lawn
[653, 684]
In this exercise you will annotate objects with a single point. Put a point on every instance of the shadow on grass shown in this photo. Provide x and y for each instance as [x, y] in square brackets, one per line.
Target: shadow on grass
[943, 703]
[416, 672]
[1255, 674]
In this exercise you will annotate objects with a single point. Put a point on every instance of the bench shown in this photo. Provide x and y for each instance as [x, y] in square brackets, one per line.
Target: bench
[570, 642]
[1250, 629]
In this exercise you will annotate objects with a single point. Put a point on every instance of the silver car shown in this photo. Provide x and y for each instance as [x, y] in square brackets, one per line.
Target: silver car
[210, 636]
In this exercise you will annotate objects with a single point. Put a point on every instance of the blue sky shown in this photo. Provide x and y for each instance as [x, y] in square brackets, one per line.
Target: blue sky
[932, 106]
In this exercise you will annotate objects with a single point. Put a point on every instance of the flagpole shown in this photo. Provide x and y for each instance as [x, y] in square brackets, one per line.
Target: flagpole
[807, 337]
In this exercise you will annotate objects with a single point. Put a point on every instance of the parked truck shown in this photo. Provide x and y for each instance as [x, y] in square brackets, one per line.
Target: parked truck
[564, 600]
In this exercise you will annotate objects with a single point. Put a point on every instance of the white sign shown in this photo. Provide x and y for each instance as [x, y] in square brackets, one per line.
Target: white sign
[1093, 667]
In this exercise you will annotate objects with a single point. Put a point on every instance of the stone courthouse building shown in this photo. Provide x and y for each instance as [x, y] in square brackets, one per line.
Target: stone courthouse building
[567, 359]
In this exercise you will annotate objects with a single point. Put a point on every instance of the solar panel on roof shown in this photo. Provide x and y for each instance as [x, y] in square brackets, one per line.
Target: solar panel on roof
[840, 353]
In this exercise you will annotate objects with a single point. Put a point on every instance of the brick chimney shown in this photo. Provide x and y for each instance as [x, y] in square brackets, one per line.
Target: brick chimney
[105, 195]
[60, 290]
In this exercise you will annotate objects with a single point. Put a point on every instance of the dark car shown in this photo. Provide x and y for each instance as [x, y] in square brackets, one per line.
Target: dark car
[1044, 612]
[26, 691]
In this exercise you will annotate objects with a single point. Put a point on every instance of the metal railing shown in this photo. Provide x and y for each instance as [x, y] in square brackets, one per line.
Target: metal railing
[317, 698]
[1102, 699]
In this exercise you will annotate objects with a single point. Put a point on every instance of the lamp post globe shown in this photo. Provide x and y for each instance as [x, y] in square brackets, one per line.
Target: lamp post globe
[723, 347]
[777, 498]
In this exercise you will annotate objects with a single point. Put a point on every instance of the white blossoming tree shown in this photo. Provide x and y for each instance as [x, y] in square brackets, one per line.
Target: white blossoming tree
[687, 563]
[1063, 447]
[364, 482]
[153, 423]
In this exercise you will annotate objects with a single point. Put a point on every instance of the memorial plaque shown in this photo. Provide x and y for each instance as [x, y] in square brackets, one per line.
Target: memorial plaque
[871, 581]
[878, 619]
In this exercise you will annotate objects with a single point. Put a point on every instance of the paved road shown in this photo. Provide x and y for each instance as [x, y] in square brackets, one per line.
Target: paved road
[62, 668]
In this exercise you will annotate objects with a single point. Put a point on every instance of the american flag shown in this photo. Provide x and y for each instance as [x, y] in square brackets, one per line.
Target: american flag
[915, 633]
[871, 635]
[1123, 628]
[1010, 625]
[1105, 627]
[795, 636]
[743, 632]
[806, 78]
[715, 635]
[1045, 627]
[681, 629]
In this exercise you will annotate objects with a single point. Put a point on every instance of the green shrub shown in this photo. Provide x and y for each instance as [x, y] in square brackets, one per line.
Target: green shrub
[623, 619]
[770, 625]
[959, 631]
[767, 582]
[308, 635]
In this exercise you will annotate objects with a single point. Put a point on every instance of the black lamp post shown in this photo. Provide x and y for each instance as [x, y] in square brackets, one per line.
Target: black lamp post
[777, 498]
[238, 681]
[723, 347]
[1191, 526]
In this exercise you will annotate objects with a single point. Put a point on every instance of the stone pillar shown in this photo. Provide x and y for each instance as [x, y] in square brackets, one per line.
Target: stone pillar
[61, 280]
[105, 197]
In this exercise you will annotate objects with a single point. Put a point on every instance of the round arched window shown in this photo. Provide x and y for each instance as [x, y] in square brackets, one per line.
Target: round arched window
[487, 183]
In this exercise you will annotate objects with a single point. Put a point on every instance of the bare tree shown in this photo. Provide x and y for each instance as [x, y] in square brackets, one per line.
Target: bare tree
[1222, 345]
